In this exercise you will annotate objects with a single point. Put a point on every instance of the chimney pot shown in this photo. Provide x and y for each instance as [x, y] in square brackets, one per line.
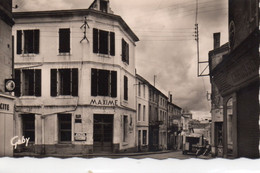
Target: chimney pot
[216, 37]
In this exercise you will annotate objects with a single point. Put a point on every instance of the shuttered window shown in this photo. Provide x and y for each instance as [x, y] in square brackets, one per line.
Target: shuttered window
[28, 82]
[125, 88]
[64, 40]
[64, 82]
[28, 41]
[103, 42]
[125, 51]
[103, 83]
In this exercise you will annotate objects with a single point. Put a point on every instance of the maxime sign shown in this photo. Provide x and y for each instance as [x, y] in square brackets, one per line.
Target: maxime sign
[103, 102]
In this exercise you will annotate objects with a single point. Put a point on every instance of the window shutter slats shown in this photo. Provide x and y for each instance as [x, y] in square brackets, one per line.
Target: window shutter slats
[113, 84]
[36, 41]
[53, 82]
[103, 42]
[64, 40]
[19, 42]
[112, 43]
[17, 82]
[95, 40]
[75, 82]
[38, 82]
[93, 82]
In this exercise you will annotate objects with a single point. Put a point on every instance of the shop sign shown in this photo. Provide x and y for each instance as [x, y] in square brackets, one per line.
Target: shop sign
[103, 102]
[6, 105]
[243, 72]
[80, 136]
[217, 115]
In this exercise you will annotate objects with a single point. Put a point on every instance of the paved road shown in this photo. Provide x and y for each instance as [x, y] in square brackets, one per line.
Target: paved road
[174, 154]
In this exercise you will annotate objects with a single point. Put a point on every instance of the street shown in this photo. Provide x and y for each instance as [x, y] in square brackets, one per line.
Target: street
[165, 155]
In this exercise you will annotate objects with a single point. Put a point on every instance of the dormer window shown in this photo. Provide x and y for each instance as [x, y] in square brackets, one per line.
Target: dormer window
[103, 6]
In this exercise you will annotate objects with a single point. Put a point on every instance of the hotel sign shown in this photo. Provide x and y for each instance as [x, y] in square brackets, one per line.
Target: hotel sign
[6, 105]
[103, 102]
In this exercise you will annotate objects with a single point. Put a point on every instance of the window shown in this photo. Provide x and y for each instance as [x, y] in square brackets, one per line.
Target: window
[125, 128]
[139, 89]
[64, 127]
[125, 51]
[28, 121]
[139, 112]
[103, 83]
[144, 137]
[103, 6]
[28, 82]
[28, 41]
[144, 90]
[103, 42]
[64, 40]
[64, 82]
[144, 112]
[125, 88]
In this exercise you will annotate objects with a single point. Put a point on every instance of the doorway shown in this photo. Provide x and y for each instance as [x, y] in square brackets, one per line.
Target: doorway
[103, 133]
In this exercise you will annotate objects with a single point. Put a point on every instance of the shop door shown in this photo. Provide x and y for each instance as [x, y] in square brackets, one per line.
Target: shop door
[103, 133]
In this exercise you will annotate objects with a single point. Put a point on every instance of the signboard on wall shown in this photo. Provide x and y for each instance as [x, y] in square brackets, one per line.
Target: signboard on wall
[6, 105]
[80, 136]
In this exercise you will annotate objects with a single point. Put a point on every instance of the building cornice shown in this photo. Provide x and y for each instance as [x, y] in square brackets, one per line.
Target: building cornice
[6, 16]
[76, 12]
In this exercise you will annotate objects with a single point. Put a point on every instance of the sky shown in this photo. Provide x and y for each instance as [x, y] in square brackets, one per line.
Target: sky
[167, 48]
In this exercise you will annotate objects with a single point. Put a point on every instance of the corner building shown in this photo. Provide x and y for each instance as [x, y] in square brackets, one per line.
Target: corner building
[6, 66]
[76, 70]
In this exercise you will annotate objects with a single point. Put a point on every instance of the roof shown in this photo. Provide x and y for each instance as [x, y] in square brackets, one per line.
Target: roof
[224, 47]
[75, 12]
[174, 105]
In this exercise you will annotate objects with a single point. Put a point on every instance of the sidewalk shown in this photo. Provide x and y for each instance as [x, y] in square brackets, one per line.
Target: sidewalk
[108, 155]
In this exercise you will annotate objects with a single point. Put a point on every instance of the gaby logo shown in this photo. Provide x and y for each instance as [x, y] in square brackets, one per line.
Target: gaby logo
[16, 141]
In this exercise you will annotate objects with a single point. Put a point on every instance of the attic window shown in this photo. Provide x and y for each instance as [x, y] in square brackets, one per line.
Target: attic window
[103, 6]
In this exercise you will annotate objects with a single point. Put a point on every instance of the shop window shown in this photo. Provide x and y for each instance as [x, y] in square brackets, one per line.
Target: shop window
[229, 125]
[28, 121]
[125, 88]
[103, 83]
[28, 82]
[139, 112]
[64, 82]
[64, 127]
[28, 41]
[103, 42]
[64, 40]
[144, 137]
[125, 122]
[125, 51]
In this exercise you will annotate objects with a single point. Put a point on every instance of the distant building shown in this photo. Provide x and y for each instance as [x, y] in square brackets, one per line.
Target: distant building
[76, 70]
[154, 121]
[215, 57]
[173, 125]
[142, 113]
[237, 80]
[6, 66]
[163, 118]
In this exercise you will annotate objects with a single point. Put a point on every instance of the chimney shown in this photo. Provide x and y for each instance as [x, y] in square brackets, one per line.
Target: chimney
[171, 98]
[216, 37]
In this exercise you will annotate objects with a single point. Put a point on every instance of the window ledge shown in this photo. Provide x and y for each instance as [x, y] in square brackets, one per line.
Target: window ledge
[64, 54]
[27, 55]
[27, 97]
[124, 143]
[104, 55]
[65, 97]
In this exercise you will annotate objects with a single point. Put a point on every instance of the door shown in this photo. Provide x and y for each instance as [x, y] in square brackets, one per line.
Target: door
[139, 140]
[103, 133]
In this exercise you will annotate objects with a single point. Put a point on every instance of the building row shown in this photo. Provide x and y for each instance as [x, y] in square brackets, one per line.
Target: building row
[77, 91]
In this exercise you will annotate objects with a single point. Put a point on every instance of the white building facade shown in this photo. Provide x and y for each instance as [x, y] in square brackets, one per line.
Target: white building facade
[76, 70]
[142, 113]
